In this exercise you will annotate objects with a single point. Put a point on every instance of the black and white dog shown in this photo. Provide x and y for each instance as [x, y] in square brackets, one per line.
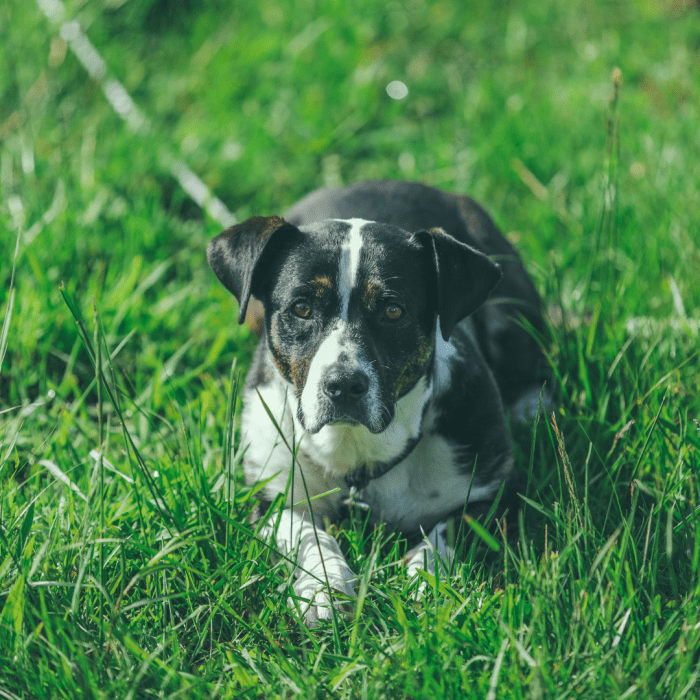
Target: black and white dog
[381, 364]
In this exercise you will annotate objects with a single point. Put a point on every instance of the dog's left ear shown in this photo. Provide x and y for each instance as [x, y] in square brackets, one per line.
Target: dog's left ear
[234, 254]
[465, 277]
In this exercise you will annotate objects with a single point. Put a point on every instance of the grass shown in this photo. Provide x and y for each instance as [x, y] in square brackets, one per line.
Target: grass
[128, 567]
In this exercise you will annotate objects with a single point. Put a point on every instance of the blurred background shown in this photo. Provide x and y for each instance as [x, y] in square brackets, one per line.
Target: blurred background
[133, 131]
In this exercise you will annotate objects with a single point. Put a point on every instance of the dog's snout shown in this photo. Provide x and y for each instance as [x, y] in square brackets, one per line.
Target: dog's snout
[344, 387]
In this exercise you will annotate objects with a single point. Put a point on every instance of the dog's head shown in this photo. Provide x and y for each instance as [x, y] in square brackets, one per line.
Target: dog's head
[351, 307]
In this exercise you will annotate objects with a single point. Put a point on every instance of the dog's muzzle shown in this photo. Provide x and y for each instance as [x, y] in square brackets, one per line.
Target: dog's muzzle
[346, 396]
[343, 387]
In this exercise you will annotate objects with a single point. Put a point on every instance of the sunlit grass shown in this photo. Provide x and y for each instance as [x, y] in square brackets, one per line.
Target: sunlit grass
[128, 565]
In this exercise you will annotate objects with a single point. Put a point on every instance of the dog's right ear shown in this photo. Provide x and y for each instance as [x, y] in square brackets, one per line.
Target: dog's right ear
[234, 254]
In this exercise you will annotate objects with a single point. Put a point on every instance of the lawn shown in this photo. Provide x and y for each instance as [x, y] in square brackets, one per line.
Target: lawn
[132, 132]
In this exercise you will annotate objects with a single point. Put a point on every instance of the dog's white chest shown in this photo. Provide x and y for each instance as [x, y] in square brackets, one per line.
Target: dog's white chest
[419, 491]
[432, 481]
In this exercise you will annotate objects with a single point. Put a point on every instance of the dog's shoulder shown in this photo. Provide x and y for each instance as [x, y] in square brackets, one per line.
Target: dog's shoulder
[464, 453]
[467, 407]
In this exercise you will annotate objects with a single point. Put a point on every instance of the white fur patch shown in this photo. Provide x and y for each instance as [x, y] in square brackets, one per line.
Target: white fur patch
[266, 455]
[321, 564]
[444, 354]
[349, 264]
[433, 547]
[341, 449]
[335, 344]
[326, 355]
[428, 484]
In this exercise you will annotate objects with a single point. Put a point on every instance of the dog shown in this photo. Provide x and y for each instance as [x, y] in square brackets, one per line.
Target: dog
[399, 328]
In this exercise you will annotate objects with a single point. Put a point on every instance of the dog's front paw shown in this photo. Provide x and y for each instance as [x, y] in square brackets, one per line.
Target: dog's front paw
[531, 402]
[431, 551]
[321, 566]
[314, 601]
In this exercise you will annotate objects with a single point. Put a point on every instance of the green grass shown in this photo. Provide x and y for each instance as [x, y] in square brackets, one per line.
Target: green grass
[128, 567]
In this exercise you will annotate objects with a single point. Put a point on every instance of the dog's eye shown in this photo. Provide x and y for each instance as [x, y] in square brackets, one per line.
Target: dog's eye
[393, 312]
[302, 309]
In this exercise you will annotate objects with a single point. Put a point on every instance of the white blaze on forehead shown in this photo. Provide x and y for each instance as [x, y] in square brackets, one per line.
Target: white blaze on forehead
[349, 263]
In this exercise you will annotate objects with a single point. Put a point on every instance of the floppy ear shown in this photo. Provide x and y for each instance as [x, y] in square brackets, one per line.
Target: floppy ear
[465, 277]
[234, 254]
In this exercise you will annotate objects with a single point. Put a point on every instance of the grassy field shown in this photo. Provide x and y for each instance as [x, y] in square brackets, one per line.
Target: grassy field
[128, 568]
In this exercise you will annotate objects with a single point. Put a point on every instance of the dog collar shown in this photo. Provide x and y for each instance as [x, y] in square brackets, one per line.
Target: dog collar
[358, 479]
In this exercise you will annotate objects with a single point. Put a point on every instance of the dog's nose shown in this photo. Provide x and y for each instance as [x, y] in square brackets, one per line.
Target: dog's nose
[346, 387]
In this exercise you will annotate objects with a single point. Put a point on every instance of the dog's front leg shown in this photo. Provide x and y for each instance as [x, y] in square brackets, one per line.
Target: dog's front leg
[320, 564]
[423, 557]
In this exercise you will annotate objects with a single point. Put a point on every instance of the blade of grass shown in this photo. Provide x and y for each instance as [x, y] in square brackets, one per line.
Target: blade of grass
[100, 463]
[293, 449]
[227, 461]
[10, 303]
[150, 482]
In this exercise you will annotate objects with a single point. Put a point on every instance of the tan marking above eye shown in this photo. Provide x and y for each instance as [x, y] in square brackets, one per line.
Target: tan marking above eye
[302, 309]
[321, 284]
[371, 294]
[393, 312]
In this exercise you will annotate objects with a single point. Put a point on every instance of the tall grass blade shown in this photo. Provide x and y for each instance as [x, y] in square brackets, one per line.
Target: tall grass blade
[158, 500]
[293, 449]
[229, 431]
[10, 303]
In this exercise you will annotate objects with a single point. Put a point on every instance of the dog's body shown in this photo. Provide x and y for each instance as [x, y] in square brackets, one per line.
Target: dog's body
[383, 371]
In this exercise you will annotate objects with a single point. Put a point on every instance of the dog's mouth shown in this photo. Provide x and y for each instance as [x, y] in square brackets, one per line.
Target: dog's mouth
[344, 421]
[335, 419]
